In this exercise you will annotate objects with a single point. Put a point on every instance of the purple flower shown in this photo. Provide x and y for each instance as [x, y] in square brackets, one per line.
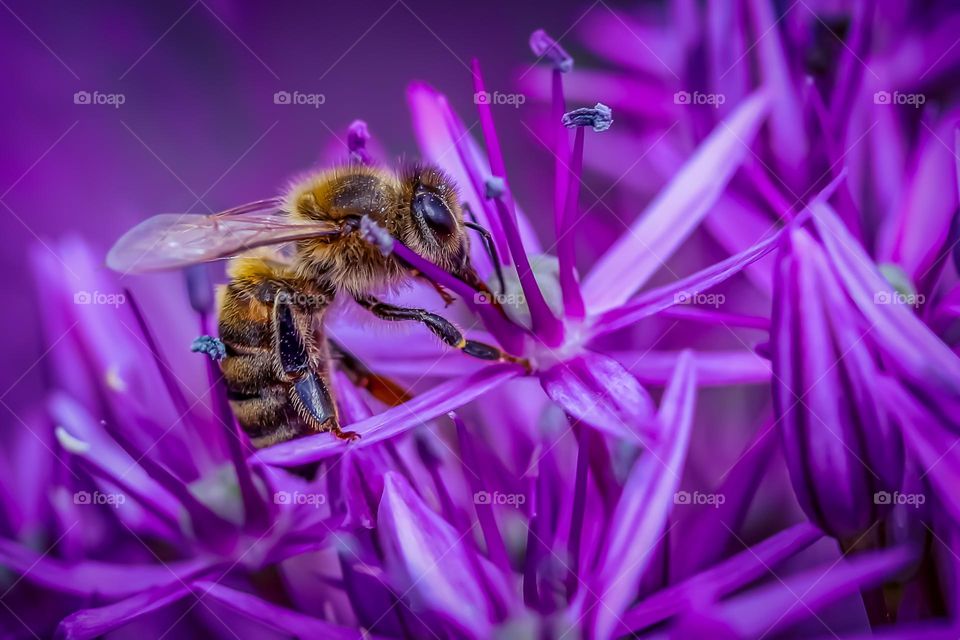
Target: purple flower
[612, 476]
[843, 448]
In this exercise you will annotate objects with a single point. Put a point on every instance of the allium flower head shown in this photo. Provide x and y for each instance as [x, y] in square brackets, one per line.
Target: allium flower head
[783, 464]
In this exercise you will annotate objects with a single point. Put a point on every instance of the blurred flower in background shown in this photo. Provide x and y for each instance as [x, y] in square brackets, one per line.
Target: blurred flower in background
[728, 258]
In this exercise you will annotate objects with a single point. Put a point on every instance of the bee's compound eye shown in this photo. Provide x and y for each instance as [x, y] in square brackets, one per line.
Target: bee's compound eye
[431, 209]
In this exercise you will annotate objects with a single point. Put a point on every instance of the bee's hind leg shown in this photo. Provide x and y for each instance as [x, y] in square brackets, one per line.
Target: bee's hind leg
[382, 388]
[309, 389]
[211, 346]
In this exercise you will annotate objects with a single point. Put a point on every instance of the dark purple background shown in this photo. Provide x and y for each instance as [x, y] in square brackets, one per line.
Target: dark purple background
[199, 130]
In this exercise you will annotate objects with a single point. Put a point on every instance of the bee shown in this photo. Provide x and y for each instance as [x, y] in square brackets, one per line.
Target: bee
[272, 348]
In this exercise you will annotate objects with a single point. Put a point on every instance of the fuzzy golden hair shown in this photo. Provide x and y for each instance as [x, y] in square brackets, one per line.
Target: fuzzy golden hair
[352, 264]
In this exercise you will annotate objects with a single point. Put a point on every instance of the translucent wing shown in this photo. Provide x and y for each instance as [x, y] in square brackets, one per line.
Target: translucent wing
[172, 240]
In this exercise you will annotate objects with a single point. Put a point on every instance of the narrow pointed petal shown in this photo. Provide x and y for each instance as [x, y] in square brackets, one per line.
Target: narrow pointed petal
[598, 391]
[722, 521]
[775, 607]
[914, 351]
[470, 450]
[85, 438]
[714, 368]
[94, 623]
[427, 559]
[788, 140]
[91, 578]
[638, 522]
[656, 300]
[728, 576]
[285, 620]
[737, 225]
[934, 447]
[915, 232]
[438, 401]
[676, 211]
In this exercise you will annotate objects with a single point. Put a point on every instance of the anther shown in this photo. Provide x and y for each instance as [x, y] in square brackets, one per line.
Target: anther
[599, 117]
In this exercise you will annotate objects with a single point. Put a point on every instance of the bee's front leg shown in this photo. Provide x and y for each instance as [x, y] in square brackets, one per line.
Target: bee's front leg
[440, 327]
[445, 295]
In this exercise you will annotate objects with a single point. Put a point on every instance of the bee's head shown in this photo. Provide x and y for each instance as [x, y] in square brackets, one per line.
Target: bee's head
[430, 220]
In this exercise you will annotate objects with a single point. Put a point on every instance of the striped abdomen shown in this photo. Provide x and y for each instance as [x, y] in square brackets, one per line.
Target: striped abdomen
[276, 367]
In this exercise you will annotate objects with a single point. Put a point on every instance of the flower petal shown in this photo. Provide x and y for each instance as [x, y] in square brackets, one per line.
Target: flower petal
[676, 211]
[655, 300]
[95, 622]
[427, 559]
[714, 368]
[94, 579]
[638, 521]
[787, 140]
[716, 525]
[86, 439]
[913, 350]
[266, 613]
[438, 401]
[597, 390]
[784, 602]
[726, 577]
[915, 231]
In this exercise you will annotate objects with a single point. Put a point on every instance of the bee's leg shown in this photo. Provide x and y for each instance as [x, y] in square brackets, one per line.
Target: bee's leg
[383, 389]
[445, 295]
[309, 392]
[491, 249]
[211, 346]
[440, 326]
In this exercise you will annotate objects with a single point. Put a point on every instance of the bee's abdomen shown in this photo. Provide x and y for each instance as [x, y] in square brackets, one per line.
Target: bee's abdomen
[258, 397]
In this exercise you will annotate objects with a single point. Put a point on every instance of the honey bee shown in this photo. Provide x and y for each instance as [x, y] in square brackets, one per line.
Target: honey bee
[273, 352]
